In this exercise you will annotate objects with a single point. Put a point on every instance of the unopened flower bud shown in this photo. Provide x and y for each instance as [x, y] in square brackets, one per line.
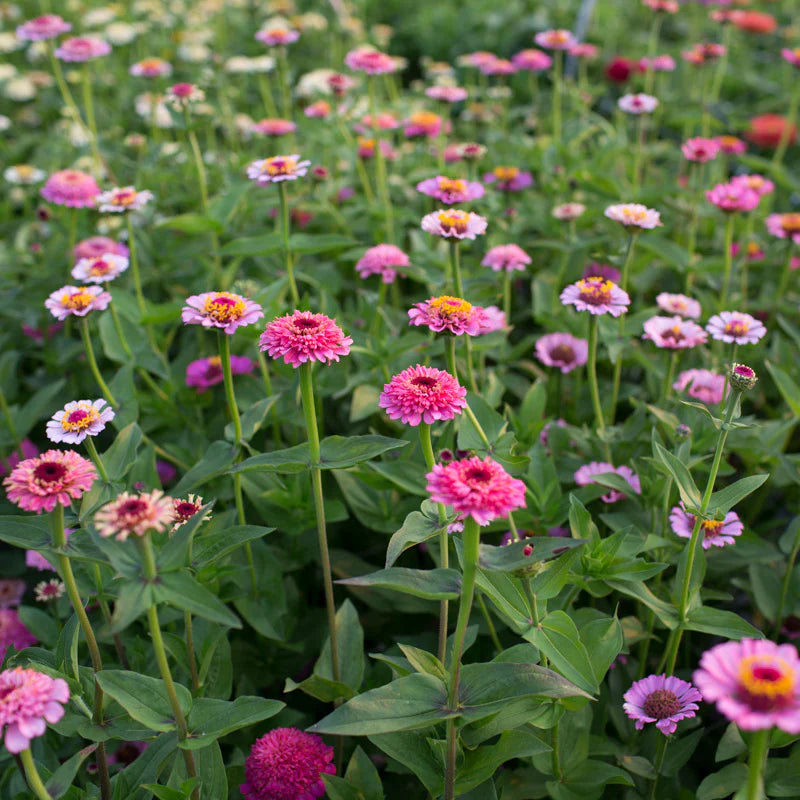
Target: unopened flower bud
[683, 432]
[742, 377]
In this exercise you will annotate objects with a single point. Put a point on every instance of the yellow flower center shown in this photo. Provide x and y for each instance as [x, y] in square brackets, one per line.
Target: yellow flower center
[215, 362]
[737, 327]
[595, 291]
[753, 249]
[79, 419]
[425, 118]
[452, 185]
[506, 173]
[454, 220]
[790, 223]
[728, 141]
[634, 214]
[124, 197]
[450, 305]
[24, 171]
[279, 165]
[712, 527]
[766, 678]
[224, 307]
[99, 266]
[77, 300]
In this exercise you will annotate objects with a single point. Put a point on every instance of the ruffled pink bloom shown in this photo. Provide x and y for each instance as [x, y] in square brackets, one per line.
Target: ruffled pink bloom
[77, 301]
[366, 149]
[207, 372]
[491, 319]
[151, 68]
[758, 183]
[506, 257]
[638, 103]
[446, 94]
[509, 179]
[72, 188]
[731, 145]
[99, 269]
[678, 304]
[476, 59]
[277, 35]
[597, 296]
[383, 260]
[184, 508]
[447, 314]
[423, 123]
[451, 190]
[384, 121]
[477, 488]
[28, 701]
[731, 197]
[370, 60]
[754, 683]
[454, 224]
[287, 764]
[585, 475]
[735, 326]
[96, 246]
[785, 226]
[220, 310]
[663, 700]
[48, 26]
[277, 169]
[181, 96]
[716, 533]
[666, 6]
[702, 384]
[120, 199]
[634, 215]
[562, 350]
[134, 515]
[792, 56]
[303, 337]
[531, 60]
[673, 333]
[82, 49]
[700, 149]
[79, 419]
[498, 66]
[55, 477]
[555, 39]
[423, 394]
[274, 127]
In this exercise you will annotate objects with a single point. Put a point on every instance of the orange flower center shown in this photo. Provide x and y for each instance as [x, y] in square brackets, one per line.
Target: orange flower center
[79, 419]
[454, 221]
[279, 165]
[77, 300]
[424, 118]
[737, 327]
[224, 307]
[506, 173]
[451, 305]
[454, 185]
[790, 223]
[712, 528]
[753, 249]
[24, 171]
[767, 680]
[595, 291]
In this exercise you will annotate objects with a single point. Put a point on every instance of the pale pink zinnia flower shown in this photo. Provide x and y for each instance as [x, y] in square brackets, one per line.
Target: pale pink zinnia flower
[47, 26]
[506, 257]
[135, 514]
[277, 35]
[731, 197]
[716, 533]
[754, 683]
[446, 94]
[82, 49]
[277, 169]
[423, 394]
[447, 314]
[634, 215]
[498, 66]
[49, 591]
[735, 326]
[678, 304]
[663, 63]
[758, 183]
[120, 199]
[96, 246]
[454, 224]
[673, 333]
[77, 301]
[99, 269]
[183, 95]
[207, 372]
[151, 68]
[597, 296]
[72, 188]
[303, 336]
[785, 226]
[490, 319]
[555, 39]
[370, 60]
[224, 310]
[321, 109]
[383, 260]
[274, 127]
[451, 190]
[585, 475]
[54, 477]
[79, 419]
[638, 103]
[562, 350]
[701, 384]
[661, 699]
[531, 60]
[569, 211]
[477, 488]
[700, 149]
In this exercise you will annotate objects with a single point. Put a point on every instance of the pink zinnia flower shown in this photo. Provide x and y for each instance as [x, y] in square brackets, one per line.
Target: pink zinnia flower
[664, 63]
[732, 145]
[370, 60]
[446, 94]
[82, 48]
[673, 333]
[220, 310]
[498, 66]
[384, 121]
[701, 384]
[585, 475]
[451, 190]
[183, 95]
[638, 103]
[151, 68]
[758, 183]
[96, 246]
[135, 514]
[447, 314]
[569, 211]
[422, 394]
[77, 301]
[663, 700]
[597, 296]
[562, 350]
[185, 508]
[506, 257]
[735, 326]
[120, 199]
[454, 224]
[584, 50]
[11, 592]
[274, 127]
[423, 123]
[99, 269]
[48, 26]
[755, 683]
[477, 58]
[752, 251]
[731, 197]
[28, 701]
[382, 259]
[277, 169]
[700, 149]
[477, 488]
[531, 60]
[14, 633]
[509, 179]
[321, 109]
[277, 35]
[287, 764]
[668, 7]
[55, 477]
[207, 372]
[555, 39]
[678, 304]
[79, 419]
[716, 533]
[634, 215]
[366, 148]
[490, 319]
[49, 591]
[785, 226]
[303, 336]
[792, 56]
[72, 188]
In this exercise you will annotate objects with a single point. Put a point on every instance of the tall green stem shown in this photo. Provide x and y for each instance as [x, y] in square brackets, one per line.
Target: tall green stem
[626, 268]
[137, 278]
[591, 372]
[791, 119]
[380, 164]
[283, 77]
[66, 95]
[558, 71]
[759, 747]
[87, 344]
[661, 751]
[455, 263]
[95, 456]
[32, 776]
[726, 280]
[287, 252]
[652, 48]
[89, 106]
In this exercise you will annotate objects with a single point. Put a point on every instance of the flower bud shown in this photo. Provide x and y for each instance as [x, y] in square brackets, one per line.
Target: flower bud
[683, 432]
[742, 377]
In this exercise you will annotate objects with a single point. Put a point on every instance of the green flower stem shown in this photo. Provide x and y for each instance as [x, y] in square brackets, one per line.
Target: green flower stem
[783, 285]
[666, 390]
[72, 233]
[470, 371]
[759, 748]
[137, 278]
[380, 164]
[591, 372]
[89, 106]
[118, 327]
[507, 296]
[791, 119]
[106, 611]
[785, 583]
[652, 49]
[66, 95]
[87, 344]
[626, 268]
[362, 172]
[12, 428]
[266, 95]
[151, 575]
[726, 280]
[455, 263]
[283, 77]
[95, 456]
[637, 154]
[287, 251]
[187, 622]
[558, 71]
[661, 751]
[32, 776]
[471, 539]
[450, 355]
[452, 368]
[310, 413]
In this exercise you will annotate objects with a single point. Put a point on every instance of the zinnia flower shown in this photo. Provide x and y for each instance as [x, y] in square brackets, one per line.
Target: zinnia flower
[755, 683]
[731, 145]
[506, 257]
[127, 198]
[422, 394]
[451, 190]
[700, 149]
[99, 269]
[678, 304]
[562, 350]
[454, 224]
[569, 211]
[47, 26]
[446, 94]
[638, 103]
[276, 169]
[447, 314]
[28, 701]
[55, 477]
[716, 533]
[370, 60]
[477, 488]
[277, 35]
[24, 174]
[72, 188]
[585, 475]
[80, 49]
[182, 96]
[135, 514]
[792, 56]
[731, 197]
[77, 301]
[151, 68]
[702, 384]
[423, 123]
[735, 326]
[758, 183]
[509, 179]
[767, 130]
[663, 700]
[79, 419]
[531, 60]
[382, 259]
[597, 296]
[11, 592]
[220, 310]
[498, 66]
[274, 127]
[673, 333]
[97, 246]
[49, 591]
[303, 336]
[555, 39]
[185, 508]
[785, 226]
[634, 215]
[321, 109]
[207, 372]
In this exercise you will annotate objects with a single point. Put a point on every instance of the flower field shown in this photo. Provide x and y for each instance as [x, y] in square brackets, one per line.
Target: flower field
[399, 400]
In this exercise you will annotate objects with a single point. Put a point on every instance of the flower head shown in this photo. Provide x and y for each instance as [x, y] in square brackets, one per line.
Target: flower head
[700, 149]
[477, 488]
[674, 333]
[422, 394]
[562, 350]
[735, 326]
[423, 123]
[185, 508]
[28, 700]
[597, 296]
[451, 190]
[663, 700]
[555, 39]
[678, 304]
[731, 145]
[446, 94]
[55, 477]
[569, 211]
[48, 26]
[151, 68]
[767, 130]
[184, 95]
[49, 591]
[702, 384]
[785, 226]
[303, 336]
[274, 127]
[135, 514]
[96, 246]
[82, 49]
[716, 533]
[731, 197]
[585, 475]
[220, 310]
[531, 60]
[320, 109]
[383, 260]
[758, 183]
[454, 224]
[370, 60]
[792, 56]
[638, 103]
[79, 419]
[72, 188]
[663, 63]
[447, 314]
[126, 198]
[277, 35]
[24, 174]
[634, 215]
[99, 269]
[77, 301]
[509, 179]
[742, 377]
[506, 257]
[276, 169]
[287, 764]
[207, 372]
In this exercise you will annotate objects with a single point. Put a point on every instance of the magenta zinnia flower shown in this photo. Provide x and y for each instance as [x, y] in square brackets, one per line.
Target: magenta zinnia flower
[28, 700]
[277, 35]
[785, 226]
[370, 60]
[56, 476]
[663, 700]
[454, 224]
[451, 190]
[678, 304]
[702, 384]
[556, 39]
[506, 257]
[220, 310]
[755, 683]
[700, 149]
[638, 103]
[597, 296]
[673, 333]
[135, 514]
[14, 633]
[79, 419]
[207, 372]
[423, 123]
[72, 188]
[446, 94]
[97, 246]
[735, 326]
[731, 197]
[82, 48]
[423, 394]
[585, 475]
[447, 314]
[477, 488]
[48, 26]
[287, 764]
[562, 350]
[382, 259]
[277, 169]
[303, 336]
[758, 183]
[509, 179]
[716, 533]
[531, 60]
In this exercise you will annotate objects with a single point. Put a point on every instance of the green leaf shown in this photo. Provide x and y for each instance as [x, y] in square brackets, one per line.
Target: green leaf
[215, 461]
[210, 547]
[121, 456]
[689, 492]
[350, 641]
[60, 781]
[323, 689]
[721, 623]
[144, 698]
[175, 553]
[126, 784]
[362, 774]
[511, 558]
[264, 245]
[492, 423]
[419, 526]
[413, 750]
[40, 624]
[287, 461]
[192, 223]
[339, 789]
[430, 584]
[790, 391]
[308, 243]
[725, 499]
[580, 521]
[38, 406]
[212, 719]
[181, 590]
[31, 533]
[423, 661]
[723, 783]
[252, 419]
[664, 611]
[604, 641]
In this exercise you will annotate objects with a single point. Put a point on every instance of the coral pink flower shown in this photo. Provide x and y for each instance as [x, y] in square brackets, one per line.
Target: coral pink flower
[785, 226]
[792, 56]
[702, 384]
[451, 190]
[667, 7]
[506, 257]
[79, 419]
[477, 488]
[476, 59]
[151, 68]
[531, 60]
[585, 475]
[758, 183]
[555, 39]
[423, 123]
[274, 127]
[562, 350]
[584, 50]
[509, 179]
[120, 199]
[321, 109]
[634, 215]
[207, 372]
[303, 337]
[673, 333]
[446, 94]
[277, 169]
[370, 60]
[28, 701]
[72, 188]
[48, 26]
[82, 49]
[447, 314]
[287, 764]
[597, 296]
[340, 84]
[661, 699]
[423, 394]
[767, 130]
[454, 224]
[735, 326]
[55, 477]
[99, 269]
[277, 35]
[366, 149]
[732, 197]
[700, 149]
[77, 301]
[716, 533]
[220, 310]
[567, 212]
[731, 145]
[96, 246]
[678, 304]
[383, 259]
[638, 103]
[384, 121]
[754, 683]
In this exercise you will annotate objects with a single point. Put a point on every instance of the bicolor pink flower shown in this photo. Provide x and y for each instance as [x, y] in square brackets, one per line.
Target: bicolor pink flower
[451, 190]
[446, 94]
[47, 26]
[277, 169]
[274, 127]
[758, 183]
[678, 304]
[224, 310]
[370, 61]
[700, 149]
[454, 224]
[423, 394]
[735, 326]
[634, 215]
[79, 419]
[99, 269]
[96, 246]
[125, 198]
[785, 226]
[86, 48]
[151, 68]
[792, 56]
[702, 384]
[663, 700]
[731, 145]
[597, 296]
[531, 60]
[28, 701]
[638, 103]
[49, 591]
[423, 123]
[447, 314]
[303, 336]
[477, 488]
[277, 35]
[585, 475]
[71, 188]
[287, 764]
[732, 197]
[321, 109]
[182, 96]
[186, 508]
[562, 350]
[134, 515]
[55, 477]
[567, 212]
[506, 258]
[77, 301]
[383, 260]
[207, 372]
[716, 533]
[754, 683]
[509, 179]
[555, 39]
[673, 333]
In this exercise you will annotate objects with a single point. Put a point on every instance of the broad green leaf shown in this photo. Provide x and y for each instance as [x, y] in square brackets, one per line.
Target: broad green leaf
[181, 590]
[120, 457]
[423, 661]
[192, 223]
[323, 689]
[350, 642]
[718, 622]
[604, 641]
[209, 548]
[215, 461]
[430, 584]
[134, 598]
[580, 521]
[725, 499]
[723, 783]
[338, 452]
[212, 719]
[664, 611]
[790, 391]
[689, 492]
[362, 774]
[264, 245]
[512, 558]
[31, 533]
[144, 698]
[413, 750]
[127, 784]
[253, 419]
[60, 781]
[419, 526]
